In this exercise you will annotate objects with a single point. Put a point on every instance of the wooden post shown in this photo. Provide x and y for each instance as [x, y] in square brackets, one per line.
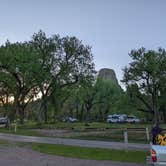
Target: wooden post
[126, 139]
[147, 133]
[15, 127]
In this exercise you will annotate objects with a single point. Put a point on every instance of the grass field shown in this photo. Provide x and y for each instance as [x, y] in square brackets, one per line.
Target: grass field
[82, 152]
[28, 132]
[113, 136]
[83, 126]
[92, 153]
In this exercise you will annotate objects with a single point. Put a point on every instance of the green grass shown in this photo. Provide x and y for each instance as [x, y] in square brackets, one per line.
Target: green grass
[94, 125]
[91, 153]
[101, 136]
[112, 135]
[19, 132]
[82, 152]
[4, 143]
[80, 126]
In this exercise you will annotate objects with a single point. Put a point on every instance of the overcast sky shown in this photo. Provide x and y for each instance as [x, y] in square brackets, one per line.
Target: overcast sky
[111, 27]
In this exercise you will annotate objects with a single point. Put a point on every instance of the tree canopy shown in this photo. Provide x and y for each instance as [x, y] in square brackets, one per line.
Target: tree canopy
[146, 73]
[43, 65]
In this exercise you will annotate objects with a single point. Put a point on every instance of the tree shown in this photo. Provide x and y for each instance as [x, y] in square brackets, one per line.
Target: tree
[95, 100]
[45, 65]
[147, 72]
[66, 62]
[18, 66]
[108, 93]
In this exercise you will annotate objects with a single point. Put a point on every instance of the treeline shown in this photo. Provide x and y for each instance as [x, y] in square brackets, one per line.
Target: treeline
[42, 68]
[48, 78]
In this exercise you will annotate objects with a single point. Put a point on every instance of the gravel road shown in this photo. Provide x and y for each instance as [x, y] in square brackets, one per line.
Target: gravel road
[74, 142]
[18, 156]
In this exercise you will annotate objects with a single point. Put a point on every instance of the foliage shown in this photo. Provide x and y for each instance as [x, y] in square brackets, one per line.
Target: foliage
[19, 65]
[108, 93]
[94, 101]
[147, 73]
[67, 61]
[44, 64]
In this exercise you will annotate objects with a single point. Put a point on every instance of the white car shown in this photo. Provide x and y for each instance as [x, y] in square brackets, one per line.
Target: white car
[132, 119]
[72, 119]
[158, 156]
[122, 118]
[113, 119]
[69, 119]
[116, 118]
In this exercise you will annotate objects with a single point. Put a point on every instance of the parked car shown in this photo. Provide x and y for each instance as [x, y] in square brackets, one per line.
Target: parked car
[116, 118]
[69, 119]
[4, 121]
[113, 118]
[132, 119]
[122, 118]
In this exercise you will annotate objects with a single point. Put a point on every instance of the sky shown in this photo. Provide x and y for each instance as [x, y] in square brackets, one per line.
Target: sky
[112, 27]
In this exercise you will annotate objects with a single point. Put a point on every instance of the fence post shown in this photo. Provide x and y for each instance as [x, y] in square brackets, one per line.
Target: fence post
[126, 139]
[147, 133]
[15, 127]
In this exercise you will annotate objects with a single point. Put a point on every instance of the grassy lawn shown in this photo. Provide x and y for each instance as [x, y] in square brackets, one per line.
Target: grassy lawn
[91, 153]
[4, 143]
[83, 153]
[81, 126]
[19, 132]
[100, 136]
[94, 125]
[113, 135]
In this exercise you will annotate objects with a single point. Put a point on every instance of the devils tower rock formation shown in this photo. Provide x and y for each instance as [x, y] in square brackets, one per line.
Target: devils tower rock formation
[106, 73]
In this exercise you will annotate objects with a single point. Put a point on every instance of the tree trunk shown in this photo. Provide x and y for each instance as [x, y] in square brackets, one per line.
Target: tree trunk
[55, 106]
[77, 111]
[21, 114]
[82, 112]
[163, 110]
[164, 114]
[15, 111]
[43, 110]
[100, 114]
[12, 113]
[154, 106]
[87, 113]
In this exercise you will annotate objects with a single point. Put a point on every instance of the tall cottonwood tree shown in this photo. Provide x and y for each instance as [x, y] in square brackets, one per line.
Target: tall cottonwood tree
[45, 65]
[147, 71]
[65, 61]
[18, 66]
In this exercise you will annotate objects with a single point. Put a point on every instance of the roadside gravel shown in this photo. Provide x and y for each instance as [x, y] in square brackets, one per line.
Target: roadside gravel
[24, 156]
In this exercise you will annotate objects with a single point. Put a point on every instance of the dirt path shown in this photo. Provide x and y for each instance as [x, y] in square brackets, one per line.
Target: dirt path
[17, 156]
